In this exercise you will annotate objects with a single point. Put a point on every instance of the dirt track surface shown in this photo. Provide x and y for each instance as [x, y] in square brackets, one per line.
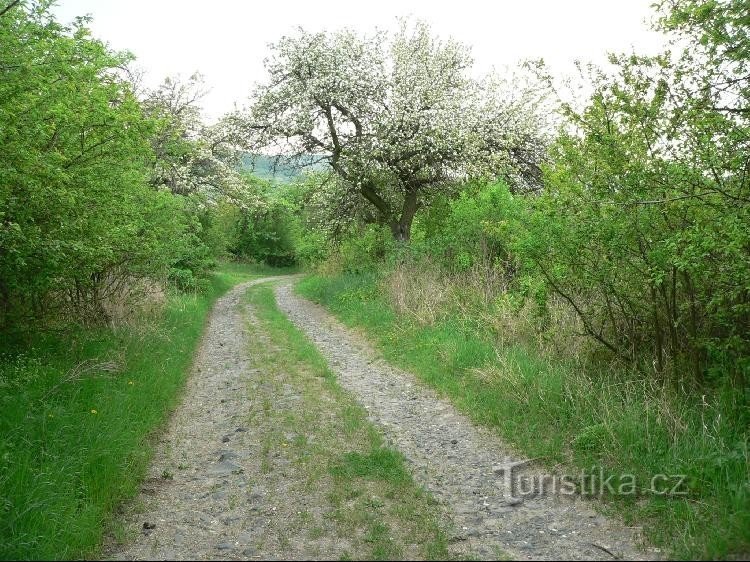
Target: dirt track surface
[204, 498]
[198, 501]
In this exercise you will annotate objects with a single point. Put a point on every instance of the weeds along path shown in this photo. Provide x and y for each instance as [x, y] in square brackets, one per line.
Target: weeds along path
[460, 464]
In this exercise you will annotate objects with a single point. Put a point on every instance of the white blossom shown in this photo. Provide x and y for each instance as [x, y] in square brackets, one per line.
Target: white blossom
[397, 117]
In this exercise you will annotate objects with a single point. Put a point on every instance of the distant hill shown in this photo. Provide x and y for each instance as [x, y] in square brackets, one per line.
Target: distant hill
[265, 167]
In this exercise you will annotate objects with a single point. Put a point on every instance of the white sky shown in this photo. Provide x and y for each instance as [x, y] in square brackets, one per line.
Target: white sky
[226, 40]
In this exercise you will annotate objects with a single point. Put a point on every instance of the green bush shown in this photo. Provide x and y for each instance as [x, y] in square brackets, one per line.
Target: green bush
[79, 219]
[365, 248]
[472, 229]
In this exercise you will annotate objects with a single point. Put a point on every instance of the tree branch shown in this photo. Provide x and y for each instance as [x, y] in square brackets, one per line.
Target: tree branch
[374, 197]
[9, 7]
[348, 114]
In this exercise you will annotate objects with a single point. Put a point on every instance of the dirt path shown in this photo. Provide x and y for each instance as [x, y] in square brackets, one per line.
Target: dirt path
[247, 468]
[189, 505]
[458, 462]
[268, 458]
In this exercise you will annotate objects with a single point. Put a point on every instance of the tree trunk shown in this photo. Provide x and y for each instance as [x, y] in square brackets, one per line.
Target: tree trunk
[401, 228]
[400, 231]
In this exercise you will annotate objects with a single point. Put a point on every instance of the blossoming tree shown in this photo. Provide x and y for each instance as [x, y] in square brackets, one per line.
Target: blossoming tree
[397, 118]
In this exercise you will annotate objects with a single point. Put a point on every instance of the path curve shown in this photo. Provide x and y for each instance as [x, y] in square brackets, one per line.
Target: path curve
[457, 461]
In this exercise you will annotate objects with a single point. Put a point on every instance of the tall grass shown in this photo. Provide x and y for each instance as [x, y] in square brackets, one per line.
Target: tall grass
[561, 407]
[76, 412]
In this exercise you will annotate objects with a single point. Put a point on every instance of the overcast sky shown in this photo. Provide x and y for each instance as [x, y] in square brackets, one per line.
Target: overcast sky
[226, 40]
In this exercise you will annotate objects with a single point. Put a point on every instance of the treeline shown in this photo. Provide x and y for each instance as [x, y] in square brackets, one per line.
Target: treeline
[633, 216]
[108, 190]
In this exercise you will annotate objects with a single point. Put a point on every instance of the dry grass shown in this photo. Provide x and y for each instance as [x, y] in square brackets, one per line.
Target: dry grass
[425, 293]
[115, 301]
[133, 298]
[421, 293]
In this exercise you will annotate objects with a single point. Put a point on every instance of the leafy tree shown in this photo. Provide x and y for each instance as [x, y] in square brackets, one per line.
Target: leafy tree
[189, 157]
[642, 227]
[396, 119]
[79, 219]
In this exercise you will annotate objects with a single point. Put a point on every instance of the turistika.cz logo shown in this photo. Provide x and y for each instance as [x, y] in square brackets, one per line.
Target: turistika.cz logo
[518, 485]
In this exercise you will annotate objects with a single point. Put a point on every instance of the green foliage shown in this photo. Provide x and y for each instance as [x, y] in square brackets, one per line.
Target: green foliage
[365, 248]
[266, 232]
[311, 246]
[277, 224]
[719, 26]
[78, 218]
[640, 229]
[318, 216]
[195, 251]
[217, 227]
[76, 413]
[642, 226]
[472, 229]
